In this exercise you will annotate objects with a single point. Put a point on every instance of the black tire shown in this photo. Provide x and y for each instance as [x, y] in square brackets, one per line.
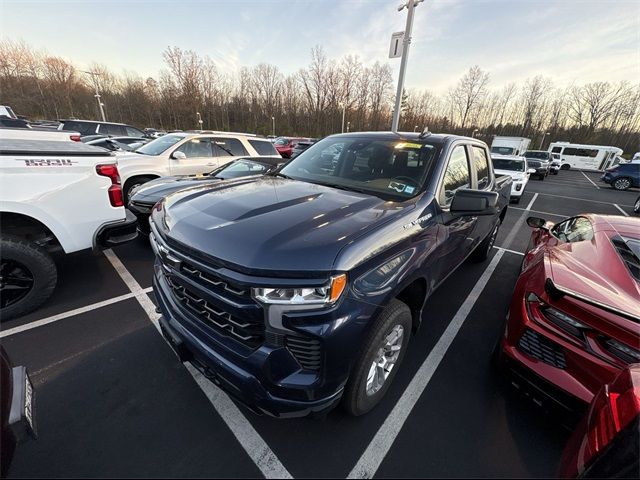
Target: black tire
[555, 172]
[515, 200]
[566, 166]
[622, 183]
[542, 177]
[132, 183]
[482, 251]
[355, 400]
[25, 260]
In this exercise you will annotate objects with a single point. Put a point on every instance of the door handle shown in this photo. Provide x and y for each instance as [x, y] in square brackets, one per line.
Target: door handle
[211, 164]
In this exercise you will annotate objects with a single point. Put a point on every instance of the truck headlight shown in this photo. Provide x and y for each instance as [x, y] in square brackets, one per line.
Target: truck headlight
[327, 294]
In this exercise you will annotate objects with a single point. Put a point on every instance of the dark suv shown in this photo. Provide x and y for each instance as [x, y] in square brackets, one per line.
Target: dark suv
[91, 127]
[623, 176]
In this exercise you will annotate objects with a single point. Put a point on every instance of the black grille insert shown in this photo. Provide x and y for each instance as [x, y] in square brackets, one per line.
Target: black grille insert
[248, 333]
[308, 351]
[542, 348]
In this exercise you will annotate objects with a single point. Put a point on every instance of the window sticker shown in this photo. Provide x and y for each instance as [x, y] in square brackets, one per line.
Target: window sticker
[398, 187]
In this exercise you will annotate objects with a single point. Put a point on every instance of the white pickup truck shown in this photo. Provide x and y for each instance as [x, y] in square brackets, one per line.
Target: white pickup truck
[188, 153]
[54, 196]
[38, 134]
[516, 167]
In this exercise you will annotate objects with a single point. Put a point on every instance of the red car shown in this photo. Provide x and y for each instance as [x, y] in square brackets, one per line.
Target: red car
[607, 441]
[284, 145]
[574, 320]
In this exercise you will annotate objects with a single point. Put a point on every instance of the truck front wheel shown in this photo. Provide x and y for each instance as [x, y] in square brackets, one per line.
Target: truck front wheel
[482, 251]
[28, 277]
[379, 359]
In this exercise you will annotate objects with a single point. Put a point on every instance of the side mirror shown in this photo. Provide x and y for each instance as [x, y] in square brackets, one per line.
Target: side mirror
[536, 222]
[531, 170]
[474, 202]
[178, 155]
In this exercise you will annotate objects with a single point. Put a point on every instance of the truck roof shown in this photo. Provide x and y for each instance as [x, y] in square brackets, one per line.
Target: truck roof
[432, 138]
[51, 147]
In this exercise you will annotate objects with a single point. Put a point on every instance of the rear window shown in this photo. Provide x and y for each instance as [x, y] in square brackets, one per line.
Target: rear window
[282, 141]
[84, 128]
[110, 129]
[263, 147]
[540, 155]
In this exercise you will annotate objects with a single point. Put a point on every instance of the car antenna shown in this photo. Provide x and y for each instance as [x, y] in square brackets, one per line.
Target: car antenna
[425, 133]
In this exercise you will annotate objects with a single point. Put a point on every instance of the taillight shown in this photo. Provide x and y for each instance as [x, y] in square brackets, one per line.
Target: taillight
[614, 407]
[75, 138]
[116, 198]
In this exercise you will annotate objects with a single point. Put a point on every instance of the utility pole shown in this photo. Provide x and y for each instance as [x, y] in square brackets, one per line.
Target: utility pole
[199, 120]
[542, 141]
[273, 125]
[473, 134]
[343, 110]
[410, 5]
[97, 94]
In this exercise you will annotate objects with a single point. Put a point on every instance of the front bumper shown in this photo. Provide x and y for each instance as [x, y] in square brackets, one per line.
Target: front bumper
[607, 178]
[517, 189]
[142, 211]
[117, 233]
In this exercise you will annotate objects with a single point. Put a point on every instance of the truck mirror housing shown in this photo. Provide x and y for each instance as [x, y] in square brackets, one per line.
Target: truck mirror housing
[178, 155]
[475, 202]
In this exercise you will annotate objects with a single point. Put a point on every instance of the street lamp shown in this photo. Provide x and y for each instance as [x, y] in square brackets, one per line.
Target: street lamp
[348, 126]
[542, 141]
[415, 129]
[273, 125]
[97, 95]
[473, 134]
[343, 111]
[410, 5]
[199, 121]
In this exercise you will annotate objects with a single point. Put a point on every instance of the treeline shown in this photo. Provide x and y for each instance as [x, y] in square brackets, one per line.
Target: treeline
[311, 101]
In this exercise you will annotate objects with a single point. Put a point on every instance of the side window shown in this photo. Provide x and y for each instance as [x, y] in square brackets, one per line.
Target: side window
[556, 149]
[457, 174]
[229, 147]
[133, 132]
[577, 229]
[197, 147]
[115, 130]
[481, 164]
[263, 147]
[570, 151]
[84, 128]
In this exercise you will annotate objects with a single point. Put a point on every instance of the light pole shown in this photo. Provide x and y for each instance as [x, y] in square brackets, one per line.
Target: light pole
[348, 126]
[343, 111]
[415, 129]
[542, 141]
[97, 94]
[473, 134]
[410, 5]
[199, 121]
[273, 125]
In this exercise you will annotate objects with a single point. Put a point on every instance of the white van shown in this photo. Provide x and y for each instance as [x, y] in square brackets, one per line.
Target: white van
[587, 157]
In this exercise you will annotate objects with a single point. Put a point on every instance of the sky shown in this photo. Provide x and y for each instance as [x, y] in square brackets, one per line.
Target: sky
[569, 41]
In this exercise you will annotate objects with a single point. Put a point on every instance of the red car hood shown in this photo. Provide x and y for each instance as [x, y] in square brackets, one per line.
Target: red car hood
[594, 270]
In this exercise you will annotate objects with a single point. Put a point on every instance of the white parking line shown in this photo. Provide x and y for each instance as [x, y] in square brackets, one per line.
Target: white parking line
[577, 198]
[67, 314]
[510, 251]
[531, 202]
[250, 440]
[591, 181]
[516, 227]
[538, 211]
[379, 446]
[623, 212]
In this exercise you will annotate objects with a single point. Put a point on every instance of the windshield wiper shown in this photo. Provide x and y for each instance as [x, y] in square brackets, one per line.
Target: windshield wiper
[344, 187]
[278, 174]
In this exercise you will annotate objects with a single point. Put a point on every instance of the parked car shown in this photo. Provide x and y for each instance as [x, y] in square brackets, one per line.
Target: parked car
[607, 441]
[541, 170]
[6, 111]
[113, 144]
[145, 196]
[54, 197]
[153, 133]
[284, 145]
[94, 127]
[300, 289]
[540, 156]
[556, 163]
[573, 320]
[179, 154]
[17, 409]
[516, 168]
[623, 176]
[301, 146]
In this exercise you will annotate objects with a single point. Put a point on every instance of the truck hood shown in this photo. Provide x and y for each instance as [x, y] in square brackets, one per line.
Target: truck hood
[280, 226]
[155, 190]
[515, 175]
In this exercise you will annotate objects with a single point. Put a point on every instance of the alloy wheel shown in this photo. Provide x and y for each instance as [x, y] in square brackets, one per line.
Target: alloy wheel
[16, 281]
[386, 358]
[622, 184]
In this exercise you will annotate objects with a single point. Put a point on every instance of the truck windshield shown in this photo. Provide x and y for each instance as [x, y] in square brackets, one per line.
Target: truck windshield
[159, 145]
[390, 169]
[507, 164]
[503, 150]
[540, 155]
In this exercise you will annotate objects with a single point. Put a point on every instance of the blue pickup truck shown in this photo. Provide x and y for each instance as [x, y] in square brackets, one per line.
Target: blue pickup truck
[300, 289]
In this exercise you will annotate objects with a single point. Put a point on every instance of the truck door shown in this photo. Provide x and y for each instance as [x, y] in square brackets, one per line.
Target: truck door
[456, 239]
[199, 157]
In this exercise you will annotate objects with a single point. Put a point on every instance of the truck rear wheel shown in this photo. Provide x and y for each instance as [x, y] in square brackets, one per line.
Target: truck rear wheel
[379, 359]
[28, 277]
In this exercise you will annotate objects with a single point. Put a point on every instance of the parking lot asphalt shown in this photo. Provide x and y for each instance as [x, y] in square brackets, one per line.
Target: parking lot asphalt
[113, 399]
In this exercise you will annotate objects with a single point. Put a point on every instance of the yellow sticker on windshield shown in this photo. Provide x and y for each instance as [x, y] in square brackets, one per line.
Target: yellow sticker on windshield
[408, 145]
